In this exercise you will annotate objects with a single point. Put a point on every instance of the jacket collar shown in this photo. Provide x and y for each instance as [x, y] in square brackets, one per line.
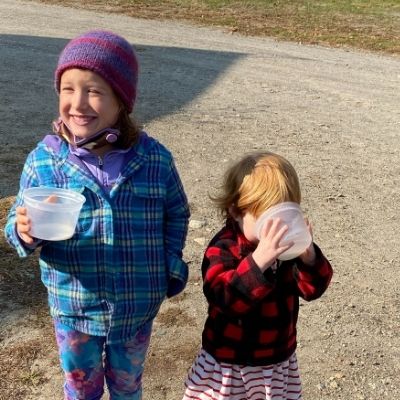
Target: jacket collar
[245, 246]
[72, 165]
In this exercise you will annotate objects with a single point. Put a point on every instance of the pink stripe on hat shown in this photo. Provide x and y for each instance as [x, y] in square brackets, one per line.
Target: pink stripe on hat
[107, 54]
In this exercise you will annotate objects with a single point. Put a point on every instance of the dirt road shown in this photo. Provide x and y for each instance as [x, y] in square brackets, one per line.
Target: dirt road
[211, 96]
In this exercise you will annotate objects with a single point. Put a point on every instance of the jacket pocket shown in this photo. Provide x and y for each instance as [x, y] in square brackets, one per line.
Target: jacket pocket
[145, 206]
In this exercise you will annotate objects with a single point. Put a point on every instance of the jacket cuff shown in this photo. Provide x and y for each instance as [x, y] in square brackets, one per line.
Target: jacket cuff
[319, 259]
[177, 275]
[23, 249]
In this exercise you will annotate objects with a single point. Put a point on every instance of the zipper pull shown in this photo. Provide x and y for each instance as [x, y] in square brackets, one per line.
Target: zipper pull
[100, 162]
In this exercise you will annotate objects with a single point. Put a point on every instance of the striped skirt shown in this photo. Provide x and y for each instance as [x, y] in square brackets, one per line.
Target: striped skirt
[210, 380]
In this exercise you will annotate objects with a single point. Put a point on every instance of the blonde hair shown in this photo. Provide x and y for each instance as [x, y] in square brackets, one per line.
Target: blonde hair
[257, 182]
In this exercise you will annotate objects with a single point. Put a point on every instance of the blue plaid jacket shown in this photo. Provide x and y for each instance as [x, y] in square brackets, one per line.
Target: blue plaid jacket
[125, 257]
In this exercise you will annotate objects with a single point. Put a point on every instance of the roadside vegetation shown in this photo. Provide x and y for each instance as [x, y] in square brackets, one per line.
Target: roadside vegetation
[364, 24]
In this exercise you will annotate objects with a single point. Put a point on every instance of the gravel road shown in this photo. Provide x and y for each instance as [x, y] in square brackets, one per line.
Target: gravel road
[210, 96]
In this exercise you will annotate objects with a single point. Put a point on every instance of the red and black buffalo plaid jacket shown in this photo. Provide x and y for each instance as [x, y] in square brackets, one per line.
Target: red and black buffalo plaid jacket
[252, 315]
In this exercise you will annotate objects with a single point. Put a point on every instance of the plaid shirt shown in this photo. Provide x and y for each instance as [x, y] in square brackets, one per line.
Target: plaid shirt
[125, 257]
[252, 315]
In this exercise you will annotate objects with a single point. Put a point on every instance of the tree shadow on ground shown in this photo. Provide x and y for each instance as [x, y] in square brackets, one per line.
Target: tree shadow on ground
[170, 78]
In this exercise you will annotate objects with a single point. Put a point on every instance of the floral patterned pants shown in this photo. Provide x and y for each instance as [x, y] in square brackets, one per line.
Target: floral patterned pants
[87, 361]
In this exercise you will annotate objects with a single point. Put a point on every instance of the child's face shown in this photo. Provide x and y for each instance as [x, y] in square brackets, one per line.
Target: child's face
[247, 224]
[87, 102]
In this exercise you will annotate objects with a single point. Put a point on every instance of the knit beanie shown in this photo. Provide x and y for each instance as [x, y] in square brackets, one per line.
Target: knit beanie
[107, 54]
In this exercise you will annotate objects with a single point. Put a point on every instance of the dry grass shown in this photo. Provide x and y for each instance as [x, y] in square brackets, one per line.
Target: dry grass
[19, 278]
[18, 373]
[370, 25]
[22, 292]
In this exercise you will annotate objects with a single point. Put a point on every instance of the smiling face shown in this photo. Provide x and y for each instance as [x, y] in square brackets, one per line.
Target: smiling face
[87, 102]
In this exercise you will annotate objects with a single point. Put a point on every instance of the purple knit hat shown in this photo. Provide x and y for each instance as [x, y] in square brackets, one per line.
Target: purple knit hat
[107, 54]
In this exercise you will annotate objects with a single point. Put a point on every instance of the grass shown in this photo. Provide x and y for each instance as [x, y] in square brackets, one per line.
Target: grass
[19, 375]
[21, 289]
[364, 24]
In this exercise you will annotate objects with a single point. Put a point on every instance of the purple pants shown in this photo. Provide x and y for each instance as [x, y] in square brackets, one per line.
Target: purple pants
[87, 361]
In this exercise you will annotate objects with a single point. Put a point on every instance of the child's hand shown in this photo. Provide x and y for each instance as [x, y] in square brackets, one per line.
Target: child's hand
[269, 248]
[308, 257]
[51, 199]
[23, 225]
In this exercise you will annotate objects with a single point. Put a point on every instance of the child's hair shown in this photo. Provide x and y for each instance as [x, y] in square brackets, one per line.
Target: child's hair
[257, 182]
[113, 58]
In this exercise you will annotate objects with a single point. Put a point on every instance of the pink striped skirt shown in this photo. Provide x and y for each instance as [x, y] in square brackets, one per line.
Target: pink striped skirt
[210, 380]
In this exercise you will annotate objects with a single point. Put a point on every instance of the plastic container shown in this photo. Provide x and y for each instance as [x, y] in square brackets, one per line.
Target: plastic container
[53, 212]
[292, 216]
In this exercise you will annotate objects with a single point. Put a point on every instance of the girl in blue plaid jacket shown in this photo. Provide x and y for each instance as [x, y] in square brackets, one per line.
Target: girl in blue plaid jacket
[106, 283]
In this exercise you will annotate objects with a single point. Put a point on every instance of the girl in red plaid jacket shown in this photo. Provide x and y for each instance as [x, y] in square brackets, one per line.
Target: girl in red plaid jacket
[249, 337]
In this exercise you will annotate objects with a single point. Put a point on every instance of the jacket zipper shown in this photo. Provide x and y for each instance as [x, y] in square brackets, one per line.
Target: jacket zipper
[101, 174]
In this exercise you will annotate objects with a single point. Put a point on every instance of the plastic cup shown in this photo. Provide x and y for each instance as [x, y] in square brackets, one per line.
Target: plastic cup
[291, 215]
[53, 212]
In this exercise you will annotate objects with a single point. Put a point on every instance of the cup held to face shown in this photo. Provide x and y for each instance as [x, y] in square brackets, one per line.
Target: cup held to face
[291, 215]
